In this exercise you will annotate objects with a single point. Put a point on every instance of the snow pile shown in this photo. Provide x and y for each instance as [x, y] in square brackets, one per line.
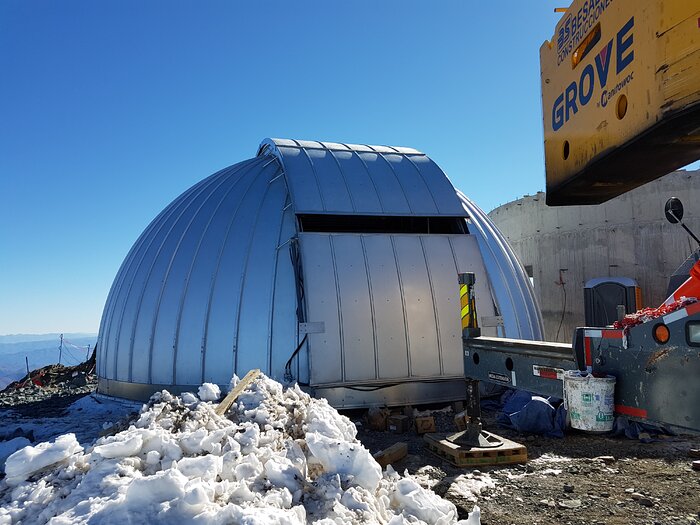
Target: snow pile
[11, 446]
[470, 486]
[209, 392]
[278, 456]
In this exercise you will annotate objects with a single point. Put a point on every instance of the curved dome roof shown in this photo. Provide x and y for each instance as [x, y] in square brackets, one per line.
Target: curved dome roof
[215, 284]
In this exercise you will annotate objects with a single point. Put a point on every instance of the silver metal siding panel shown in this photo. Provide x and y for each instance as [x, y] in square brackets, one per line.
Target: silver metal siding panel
[361, 185]
[331, 182]
[358, 333]
[438, 184]
[390, 325]
[387, 184]
[397, 300]
[325, 362]
[132, 346]
[420, 311]
[388, 180]
[256, 297]
[124, 283]
[165, 284]
[445, 288]
[189, 335]
[137, 349]
[303, 185]
[222, 328]
[213, 349]
[414, 187]
[174, 286]
[283, 333]
[469, 259]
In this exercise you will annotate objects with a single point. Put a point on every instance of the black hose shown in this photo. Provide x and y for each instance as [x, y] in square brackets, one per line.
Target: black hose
[288, 367]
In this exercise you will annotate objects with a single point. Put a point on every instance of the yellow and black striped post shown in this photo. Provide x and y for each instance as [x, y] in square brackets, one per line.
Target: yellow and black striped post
[470, 326]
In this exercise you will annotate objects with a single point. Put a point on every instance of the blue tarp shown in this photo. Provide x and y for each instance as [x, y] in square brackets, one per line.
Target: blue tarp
[526, 412]
[530, 413]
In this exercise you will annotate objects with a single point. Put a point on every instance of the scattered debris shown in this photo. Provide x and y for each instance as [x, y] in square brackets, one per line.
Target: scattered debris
[425, 424]
[392, 454]
[570, 503]
[376, 418]
[605, 459]
[398, 424]
[51, 381]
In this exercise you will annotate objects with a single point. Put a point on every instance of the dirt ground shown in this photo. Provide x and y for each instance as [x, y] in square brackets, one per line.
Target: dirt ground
[582, 478]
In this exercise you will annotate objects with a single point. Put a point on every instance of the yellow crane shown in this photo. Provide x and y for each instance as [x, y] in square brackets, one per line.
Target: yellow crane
[620, 96]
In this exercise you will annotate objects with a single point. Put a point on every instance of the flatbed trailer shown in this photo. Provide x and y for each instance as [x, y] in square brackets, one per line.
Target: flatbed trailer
[656, 365]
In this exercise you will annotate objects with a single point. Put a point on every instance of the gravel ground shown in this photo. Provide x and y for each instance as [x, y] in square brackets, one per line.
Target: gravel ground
[583, 478]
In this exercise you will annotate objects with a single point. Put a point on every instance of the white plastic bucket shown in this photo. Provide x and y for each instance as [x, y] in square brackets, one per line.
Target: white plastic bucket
[589, 400]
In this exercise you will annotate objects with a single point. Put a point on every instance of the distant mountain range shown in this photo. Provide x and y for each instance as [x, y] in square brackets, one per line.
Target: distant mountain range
[40, 350]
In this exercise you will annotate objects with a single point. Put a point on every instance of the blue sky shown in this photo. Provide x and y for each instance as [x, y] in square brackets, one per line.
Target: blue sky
[109, 110]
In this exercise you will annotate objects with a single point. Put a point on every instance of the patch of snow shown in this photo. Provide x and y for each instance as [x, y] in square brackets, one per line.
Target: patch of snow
[84, 418]
[551, 458]
[8, 447]
[428, 476]
[424, 505]
[278, 457]
[470, 486]
[550, 472]
[209, 392]
[25, 462]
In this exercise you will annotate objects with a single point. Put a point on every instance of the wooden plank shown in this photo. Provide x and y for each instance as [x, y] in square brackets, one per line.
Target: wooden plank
[391, 454]
[233, 394]
[508, 453]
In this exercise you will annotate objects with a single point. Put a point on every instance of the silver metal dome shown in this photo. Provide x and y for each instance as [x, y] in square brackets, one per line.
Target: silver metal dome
[347, 254]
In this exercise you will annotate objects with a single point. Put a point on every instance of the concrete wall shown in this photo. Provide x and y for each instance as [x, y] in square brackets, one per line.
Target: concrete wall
[625, 237]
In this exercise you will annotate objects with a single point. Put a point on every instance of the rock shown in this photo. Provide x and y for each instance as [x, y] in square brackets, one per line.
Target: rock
[568, 489]
[694, 452]
[604, 494]
[570, 503]
[547, 503]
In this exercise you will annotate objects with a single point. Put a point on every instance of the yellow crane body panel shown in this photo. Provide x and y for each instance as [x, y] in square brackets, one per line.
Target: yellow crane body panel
[620, 96]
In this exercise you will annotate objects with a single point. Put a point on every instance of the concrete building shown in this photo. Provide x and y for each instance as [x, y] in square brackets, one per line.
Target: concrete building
[563, 247]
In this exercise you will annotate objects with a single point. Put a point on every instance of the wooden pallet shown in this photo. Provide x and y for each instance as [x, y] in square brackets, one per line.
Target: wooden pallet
[508, 453]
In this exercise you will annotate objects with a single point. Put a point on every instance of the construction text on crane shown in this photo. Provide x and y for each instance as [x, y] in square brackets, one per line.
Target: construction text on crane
[567, 103]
